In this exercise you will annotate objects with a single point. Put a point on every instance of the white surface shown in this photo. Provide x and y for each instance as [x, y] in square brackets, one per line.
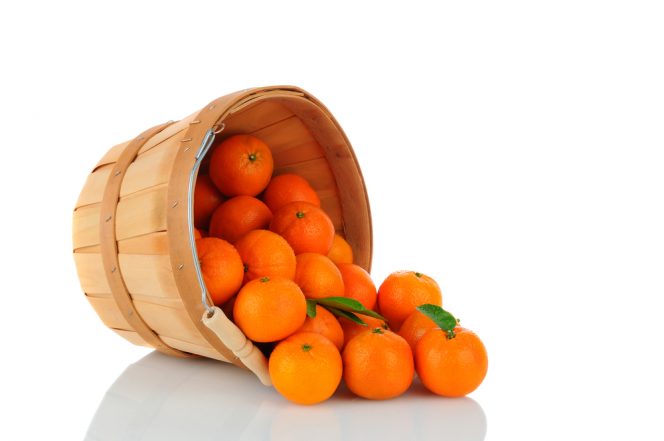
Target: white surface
[512, 150]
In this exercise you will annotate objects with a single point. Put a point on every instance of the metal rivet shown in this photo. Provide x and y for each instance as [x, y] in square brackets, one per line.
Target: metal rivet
[117, 173]
[175, 204]
[109, 218]
[180, 266]
[114, 269]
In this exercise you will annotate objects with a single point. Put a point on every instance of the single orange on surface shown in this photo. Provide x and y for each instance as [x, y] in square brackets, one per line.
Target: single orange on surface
[414, 327]
[341, 252]
[265, 254]
[451, 367]
[352, 329]
[325, 324]
[318, 276]
[241, 165]
[306, 227]
[221, 266]
[358, 284]
[284, 189]
[305, 368]
[238, 216]
[206, 199]
[269, 309]
[402, 292]
[378, 364]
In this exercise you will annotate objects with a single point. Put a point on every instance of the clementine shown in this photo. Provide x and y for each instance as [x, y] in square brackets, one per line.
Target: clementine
[341, 252]
[238, 216]
[306, 227]
[318, 276]
[325, 324]
[402, 292]
[269, 309]
[206, 199]
[358, 284]
[414, 327]
[265, 253]
[378, 364]
[241, 165]
[287, 188]
[221, 266]
[305, 368]
[451, 366]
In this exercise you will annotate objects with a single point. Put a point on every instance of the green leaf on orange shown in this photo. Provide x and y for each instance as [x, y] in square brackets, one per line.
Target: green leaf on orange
[349, 305]
[443, 319]
[311, 308]
[346, 314]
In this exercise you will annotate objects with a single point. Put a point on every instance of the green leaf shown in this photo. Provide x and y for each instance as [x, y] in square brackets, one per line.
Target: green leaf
[346, 314]
[349, 305]
[311, 308]
[440, 317]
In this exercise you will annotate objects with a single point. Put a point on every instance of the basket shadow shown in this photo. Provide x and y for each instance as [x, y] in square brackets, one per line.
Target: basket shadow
[164, 398]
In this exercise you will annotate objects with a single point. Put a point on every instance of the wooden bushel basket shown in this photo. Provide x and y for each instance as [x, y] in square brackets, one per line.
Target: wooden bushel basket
[132, 234]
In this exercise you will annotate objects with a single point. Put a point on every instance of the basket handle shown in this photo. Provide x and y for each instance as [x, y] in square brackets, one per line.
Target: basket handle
[213, 317]
[237, 342]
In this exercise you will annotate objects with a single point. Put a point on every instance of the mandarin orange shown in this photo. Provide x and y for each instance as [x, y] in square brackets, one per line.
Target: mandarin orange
[358, 284]
[306, 227]
[402, 292]
[318, 276]
[238, 216]
[266, 254]
[268, 309]
[451, 367]
[221, 266]
[341, 252]
[325, 324]
[378, 364]
[287, 188]
[241, 165]
[305, 368]
[206, 199]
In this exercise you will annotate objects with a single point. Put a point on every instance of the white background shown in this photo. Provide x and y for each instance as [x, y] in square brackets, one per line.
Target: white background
[512, 150]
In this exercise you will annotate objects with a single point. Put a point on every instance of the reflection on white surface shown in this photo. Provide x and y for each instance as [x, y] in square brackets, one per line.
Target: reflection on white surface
[164, 398]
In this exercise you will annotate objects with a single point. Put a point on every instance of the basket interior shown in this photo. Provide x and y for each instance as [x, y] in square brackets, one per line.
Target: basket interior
[291, 127]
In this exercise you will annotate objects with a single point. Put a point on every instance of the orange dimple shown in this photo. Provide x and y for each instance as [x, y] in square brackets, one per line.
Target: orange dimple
[206, 199]
[238, 216]
[451, 367]
[306, 227]
[326, 324]
[287, 188]
[415, 326]
[318, 276]
[378, 364]
[402, 292]
[358, 284]
[241, 165]
[269, 309]
[221, 267]
[341, 252]
[266, 254]
[305, 368]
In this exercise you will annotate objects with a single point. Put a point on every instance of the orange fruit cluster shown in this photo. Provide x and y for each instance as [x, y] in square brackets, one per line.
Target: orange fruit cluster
[271, 258]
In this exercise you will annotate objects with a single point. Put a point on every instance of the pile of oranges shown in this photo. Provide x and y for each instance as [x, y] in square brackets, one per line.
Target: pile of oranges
[271, 259]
